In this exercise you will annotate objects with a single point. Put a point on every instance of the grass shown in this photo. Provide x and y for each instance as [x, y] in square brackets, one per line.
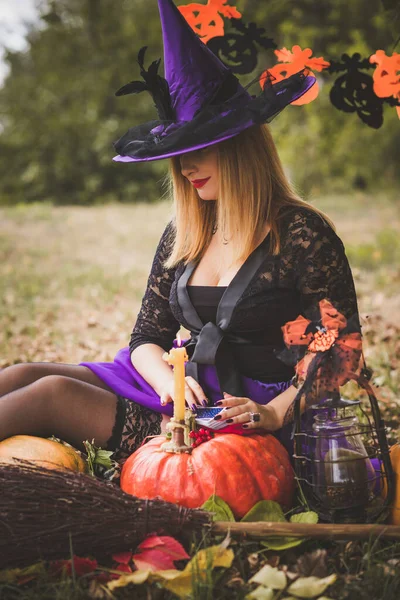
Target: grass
[71, 281]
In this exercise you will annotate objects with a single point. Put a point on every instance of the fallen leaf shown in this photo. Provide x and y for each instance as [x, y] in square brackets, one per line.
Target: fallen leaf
[204, 560]
[313, 563]
[270, 577]
[158, 553]
[152, 541]
[305, 517]
[265, 510]
[123, 568]
[137, 577]
[97, 591]
[122, 557]
[261, 593]
[23, 575]
[81, 565]
[310, 587]
[283, 543]
[180, 582]
[155, 560]
[221, 510]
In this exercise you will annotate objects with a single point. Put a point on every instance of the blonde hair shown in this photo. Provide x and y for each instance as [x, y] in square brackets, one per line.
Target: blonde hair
[252, 189]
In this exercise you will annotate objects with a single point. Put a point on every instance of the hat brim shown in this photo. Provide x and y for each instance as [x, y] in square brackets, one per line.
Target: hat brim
[212, 125]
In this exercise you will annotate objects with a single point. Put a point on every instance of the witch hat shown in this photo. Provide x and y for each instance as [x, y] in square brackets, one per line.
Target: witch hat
[199, 101]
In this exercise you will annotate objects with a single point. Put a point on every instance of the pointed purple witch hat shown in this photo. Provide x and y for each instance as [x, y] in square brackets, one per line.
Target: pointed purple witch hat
[199, 101]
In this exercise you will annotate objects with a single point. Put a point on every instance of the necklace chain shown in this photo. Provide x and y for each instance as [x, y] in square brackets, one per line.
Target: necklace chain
[215, 229]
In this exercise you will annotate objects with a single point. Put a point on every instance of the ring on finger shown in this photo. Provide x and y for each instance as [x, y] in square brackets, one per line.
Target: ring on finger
[255, 417]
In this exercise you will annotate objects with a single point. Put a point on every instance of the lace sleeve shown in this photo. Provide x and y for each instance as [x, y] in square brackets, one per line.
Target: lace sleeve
[155, 323]
[323, 270]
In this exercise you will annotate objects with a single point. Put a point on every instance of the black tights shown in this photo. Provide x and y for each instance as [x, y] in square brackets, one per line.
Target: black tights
[68, 401]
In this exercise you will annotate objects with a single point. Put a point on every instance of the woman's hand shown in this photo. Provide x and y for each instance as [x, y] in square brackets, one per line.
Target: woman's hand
[249, 414]
[194, 394]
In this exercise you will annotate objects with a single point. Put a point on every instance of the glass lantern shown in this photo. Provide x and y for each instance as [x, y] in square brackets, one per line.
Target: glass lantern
[342, 461]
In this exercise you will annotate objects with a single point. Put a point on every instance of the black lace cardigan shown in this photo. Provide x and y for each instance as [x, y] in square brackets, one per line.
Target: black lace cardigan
[267, 292]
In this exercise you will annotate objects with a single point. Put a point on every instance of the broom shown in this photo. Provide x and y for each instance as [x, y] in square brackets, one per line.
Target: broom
[43, 512]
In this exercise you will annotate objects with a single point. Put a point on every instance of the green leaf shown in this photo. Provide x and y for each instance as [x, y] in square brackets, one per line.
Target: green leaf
[96, 457]
[305, 517]
[103, 458]
[216, 505]
[283, 543]
[310, 587]
[265, 510]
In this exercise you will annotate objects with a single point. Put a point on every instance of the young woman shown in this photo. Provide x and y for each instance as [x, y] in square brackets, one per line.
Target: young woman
[242, 256]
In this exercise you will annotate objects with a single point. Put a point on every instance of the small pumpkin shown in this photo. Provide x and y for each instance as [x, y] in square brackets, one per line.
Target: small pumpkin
[394, 517]
[41, 451]
[242, 470]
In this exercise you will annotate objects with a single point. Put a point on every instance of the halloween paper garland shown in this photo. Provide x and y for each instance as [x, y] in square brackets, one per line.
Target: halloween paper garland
[353, 91]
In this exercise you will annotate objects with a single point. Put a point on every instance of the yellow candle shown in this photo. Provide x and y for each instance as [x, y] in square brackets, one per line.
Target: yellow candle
[176, 358]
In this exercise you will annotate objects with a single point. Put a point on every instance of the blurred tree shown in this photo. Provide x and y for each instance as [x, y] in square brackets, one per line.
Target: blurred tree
[59, 115]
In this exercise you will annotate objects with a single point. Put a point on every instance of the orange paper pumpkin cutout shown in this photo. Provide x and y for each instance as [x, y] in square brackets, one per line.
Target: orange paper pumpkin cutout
[206, 20]
[295, 61]
[386, 75]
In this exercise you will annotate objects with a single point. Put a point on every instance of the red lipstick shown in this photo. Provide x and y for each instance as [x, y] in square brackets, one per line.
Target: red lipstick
[198, 183]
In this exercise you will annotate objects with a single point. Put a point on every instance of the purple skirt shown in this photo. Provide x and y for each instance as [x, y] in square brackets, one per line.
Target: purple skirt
[122, 377]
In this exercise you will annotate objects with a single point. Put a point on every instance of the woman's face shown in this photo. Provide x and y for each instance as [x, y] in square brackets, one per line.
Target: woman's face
[200, 167]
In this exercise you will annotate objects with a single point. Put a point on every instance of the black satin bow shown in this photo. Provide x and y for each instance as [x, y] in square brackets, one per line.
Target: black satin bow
[211, 344]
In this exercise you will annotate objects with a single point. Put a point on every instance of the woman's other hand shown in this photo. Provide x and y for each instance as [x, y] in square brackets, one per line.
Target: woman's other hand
[194, 394]
[244, 412]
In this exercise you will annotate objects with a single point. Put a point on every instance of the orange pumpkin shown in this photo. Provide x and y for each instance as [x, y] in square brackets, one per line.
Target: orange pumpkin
[394, 518]
[242, 470]
[41, 451]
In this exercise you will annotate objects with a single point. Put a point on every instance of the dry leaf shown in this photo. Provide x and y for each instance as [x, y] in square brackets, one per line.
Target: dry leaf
[313, 563]
[214, 556]
[137, 578]
[180, 582]
[97, 591]
[310, 587]
[261, 593]
[270, 577]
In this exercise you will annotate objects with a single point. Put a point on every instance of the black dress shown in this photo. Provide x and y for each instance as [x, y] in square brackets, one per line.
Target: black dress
[243, 335]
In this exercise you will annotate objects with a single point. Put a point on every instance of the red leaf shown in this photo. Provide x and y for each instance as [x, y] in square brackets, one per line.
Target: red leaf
[152, 541]
[155, 560]
[167, 544]
[82, 566]
[124, 568]
[158, 553]
[123, 558]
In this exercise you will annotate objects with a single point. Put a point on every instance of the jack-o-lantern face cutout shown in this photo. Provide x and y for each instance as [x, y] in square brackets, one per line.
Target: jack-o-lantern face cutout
[238, 51]
[295, 61]
[386, 75]
[206, 20]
